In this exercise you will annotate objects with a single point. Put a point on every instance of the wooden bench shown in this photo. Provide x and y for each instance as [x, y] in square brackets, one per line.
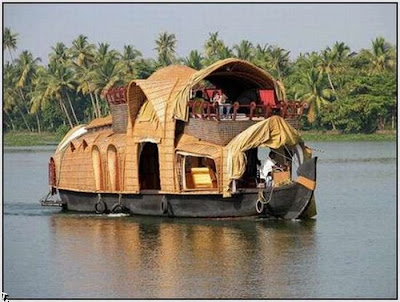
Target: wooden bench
[201, 177]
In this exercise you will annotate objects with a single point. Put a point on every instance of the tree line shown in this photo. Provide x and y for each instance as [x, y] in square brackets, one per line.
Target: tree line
[346, 91]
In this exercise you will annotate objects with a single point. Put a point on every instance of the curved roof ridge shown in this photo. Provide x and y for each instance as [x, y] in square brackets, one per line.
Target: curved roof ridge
[181, 72]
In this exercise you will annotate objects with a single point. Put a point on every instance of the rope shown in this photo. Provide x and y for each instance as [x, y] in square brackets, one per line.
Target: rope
[262, 198]
[283, 155]
[270, 195]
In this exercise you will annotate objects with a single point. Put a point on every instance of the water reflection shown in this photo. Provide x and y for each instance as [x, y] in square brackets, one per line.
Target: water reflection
[164, 258]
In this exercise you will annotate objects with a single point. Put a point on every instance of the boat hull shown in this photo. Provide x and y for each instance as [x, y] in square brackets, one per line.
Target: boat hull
[289, 201]
[281, 203]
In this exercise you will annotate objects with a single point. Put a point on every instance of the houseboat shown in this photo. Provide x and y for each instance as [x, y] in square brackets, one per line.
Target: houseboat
[167, 149]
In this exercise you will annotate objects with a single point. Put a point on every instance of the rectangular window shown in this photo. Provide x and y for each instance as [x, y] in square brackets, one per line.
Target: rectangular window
[197, 173]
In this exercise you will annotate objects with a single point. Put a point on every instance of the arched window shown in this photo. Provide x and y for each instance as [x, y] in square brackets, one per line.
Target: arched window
[113, 167]
[84, 144]
[96, 161]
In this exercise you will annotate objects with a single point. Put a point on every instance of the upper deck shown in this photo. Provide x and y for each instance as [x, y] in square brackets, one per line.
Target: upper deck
[220, 123]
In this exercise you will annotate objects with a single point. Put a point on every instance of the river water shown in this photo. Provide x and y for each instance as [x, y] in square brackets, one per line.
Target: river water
[348, 251]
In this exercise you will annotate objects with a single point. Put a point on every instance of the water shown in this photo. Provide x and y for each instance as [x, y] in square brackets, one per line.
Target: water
[348, 251]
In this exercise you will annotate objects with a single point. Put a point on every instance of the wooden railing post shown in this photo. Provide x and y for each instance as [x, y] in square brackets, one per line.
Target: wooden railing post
[208, 109]
[252, 107]
[283, 109]
[204, 110]
[267, 111]
[236, 106]
[216, 106]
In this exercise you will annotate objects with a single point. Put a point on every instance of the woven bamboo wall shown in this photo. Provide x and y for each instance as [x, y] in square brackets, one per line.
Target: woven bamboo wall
[131, 164]
[225, 178]
[74, 166]
[135, 100]
[167, 158]
[217, 132]
[119, 114]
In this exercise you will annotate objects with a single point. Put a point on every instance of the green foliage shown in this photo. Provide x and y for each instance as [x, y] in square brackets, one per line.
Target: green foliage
[166, 44]
[61, 131]
[346, 91]
[337, 136]
[13, 138]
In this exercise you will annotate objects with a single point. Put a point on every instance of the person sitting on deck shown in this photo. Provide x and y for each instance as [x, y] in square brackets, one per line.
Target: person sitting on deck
[199, 101]
[222, 103]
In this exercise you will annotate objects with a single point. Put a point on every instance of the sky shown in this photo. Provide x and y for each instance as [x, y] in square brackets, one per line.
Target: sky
[299, 27]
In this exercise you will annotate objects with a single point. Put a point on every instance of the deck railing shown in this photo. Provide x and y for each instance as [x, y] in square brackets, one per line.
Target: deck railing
[211, 111]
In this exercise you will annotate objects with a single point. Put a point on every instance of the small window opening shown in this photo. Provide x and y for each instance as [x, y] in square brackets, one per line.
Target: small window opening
[199, 173]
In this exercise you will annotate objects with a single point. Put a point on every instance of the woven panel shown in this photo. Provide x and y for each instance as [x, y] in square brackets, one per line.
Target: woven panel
[99, 122]
[75, 169]
[158, 93]
[119, 114]
[135, 100]
[216, 132]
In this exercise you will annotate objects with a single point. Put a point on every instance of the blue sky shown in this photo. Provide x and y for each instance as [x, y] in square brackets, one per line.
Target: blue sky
[295, 27]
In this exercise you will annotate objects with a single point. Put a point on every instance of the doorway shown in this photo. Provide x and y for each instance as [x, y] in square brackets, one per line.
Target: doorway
[149, 168]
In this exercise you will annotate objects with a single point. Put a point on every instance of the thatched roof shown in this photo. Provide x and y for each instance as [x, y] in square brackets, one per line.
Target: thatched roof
[191, 144]
[172, 72]
[100, 122]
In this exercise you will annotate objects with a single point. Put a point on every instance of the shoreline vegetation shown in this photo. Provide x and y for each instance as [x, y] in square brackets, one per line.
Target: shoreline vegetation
[26, 139]
[349, 91]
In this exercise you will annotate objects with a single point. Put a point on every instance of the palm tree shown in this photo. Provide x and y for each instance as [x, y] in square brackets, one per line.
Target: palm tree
[340, 51]
[82, 51]
[278, 59]
[261, 56]
[213, 45]
[215, 49]
[10, 96]
[60, 83]
[244, 50]
[59, 54]
[38, 98]
[26, 67]
[166, 48]
[381, 56]
[105, 75]
[145, 67]
[9, 41]
[82, 77]
[308, 61]
[194, 60]
[224, 52]
[327, 64]
[311, 90]
[129, 57]
[104, 51]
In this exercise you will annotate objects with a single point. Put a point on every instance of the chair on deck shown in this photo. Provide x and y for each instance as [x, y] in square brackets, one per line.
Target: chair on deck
[268, 97]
